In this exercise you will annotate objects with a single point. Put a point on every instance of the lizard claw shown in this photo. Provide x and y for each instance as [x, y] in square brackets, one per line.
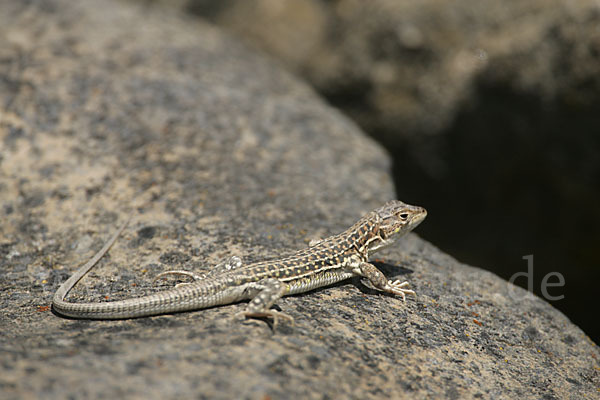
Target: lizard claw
[399, 288]
[273, 314]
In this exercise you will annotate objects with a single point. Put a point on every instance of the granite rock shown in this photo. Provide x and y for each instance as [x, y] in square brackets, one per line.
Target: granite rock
[489, 110]
[109, 110]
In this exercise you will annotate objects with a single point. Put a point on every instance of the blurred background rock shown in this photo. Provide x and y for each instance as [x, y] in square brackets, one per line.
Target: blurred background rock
[490, 111]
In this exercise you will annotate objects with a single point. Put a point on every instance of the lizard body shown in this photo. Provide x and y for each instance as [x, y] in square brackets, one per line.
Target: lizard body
[327, 261]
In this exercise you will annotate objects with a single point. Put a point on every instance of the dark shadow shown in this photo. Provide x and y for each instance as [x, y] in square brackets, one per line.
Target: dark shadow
[514, 176]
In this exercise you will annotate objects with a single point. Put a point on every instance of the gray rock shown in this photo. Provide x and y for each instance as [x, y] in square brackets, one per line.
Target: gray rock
[489, 110]
[418, 63]
[109, 111]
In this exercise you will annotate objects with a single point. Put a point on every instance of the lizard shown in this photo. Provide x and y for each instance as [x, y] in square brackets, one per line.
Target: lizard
[322, 263]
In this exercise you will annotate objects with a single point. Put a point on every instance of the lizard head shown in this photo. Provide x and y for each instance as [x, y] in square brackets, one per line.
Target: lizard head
[398, 218]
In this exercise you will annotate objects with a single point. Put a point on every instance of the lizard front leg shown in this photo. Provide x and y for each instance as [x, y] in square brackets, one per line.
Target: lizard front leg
[380, 282]
[269, 291]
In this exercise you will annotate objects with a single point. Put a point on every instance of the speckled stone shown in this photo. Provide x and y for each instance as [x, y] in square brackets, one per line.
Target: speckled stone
[109, 111]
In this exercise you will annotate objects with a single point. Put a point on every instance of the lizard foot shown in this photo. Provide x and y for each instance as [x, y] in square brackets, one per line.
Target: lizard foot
[399, 288]
[273, 314]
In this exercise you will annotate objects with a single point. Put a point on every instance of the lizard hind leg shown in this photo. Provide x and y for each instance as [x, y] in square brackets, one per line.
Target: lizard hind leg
[269, 291]
[230, 264]
[179, 272]
[314, 242]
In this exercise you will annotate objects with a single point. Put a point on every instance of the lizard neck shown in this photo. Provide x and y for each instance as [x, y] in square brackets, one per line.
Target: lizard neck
[365, 235]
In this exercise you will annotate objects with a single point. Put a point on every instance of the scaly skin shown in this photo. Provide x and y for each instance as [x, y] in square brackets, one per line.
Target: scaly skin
[327, 261]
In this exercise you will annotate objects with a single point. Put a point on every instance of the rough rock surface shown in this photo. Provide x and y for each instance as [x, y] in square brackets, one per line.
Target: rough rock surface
[488, 108]
[108, 110]
[418, 62]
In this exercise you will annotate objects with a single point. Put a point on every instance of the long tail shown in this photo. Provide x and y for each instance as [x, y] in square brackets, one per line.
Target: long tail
[58, 302]
[190, 297]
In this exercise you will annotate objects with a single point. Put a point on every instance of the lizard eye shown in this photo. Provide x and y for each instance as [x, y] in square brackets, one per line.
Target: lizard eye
[403, 216]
